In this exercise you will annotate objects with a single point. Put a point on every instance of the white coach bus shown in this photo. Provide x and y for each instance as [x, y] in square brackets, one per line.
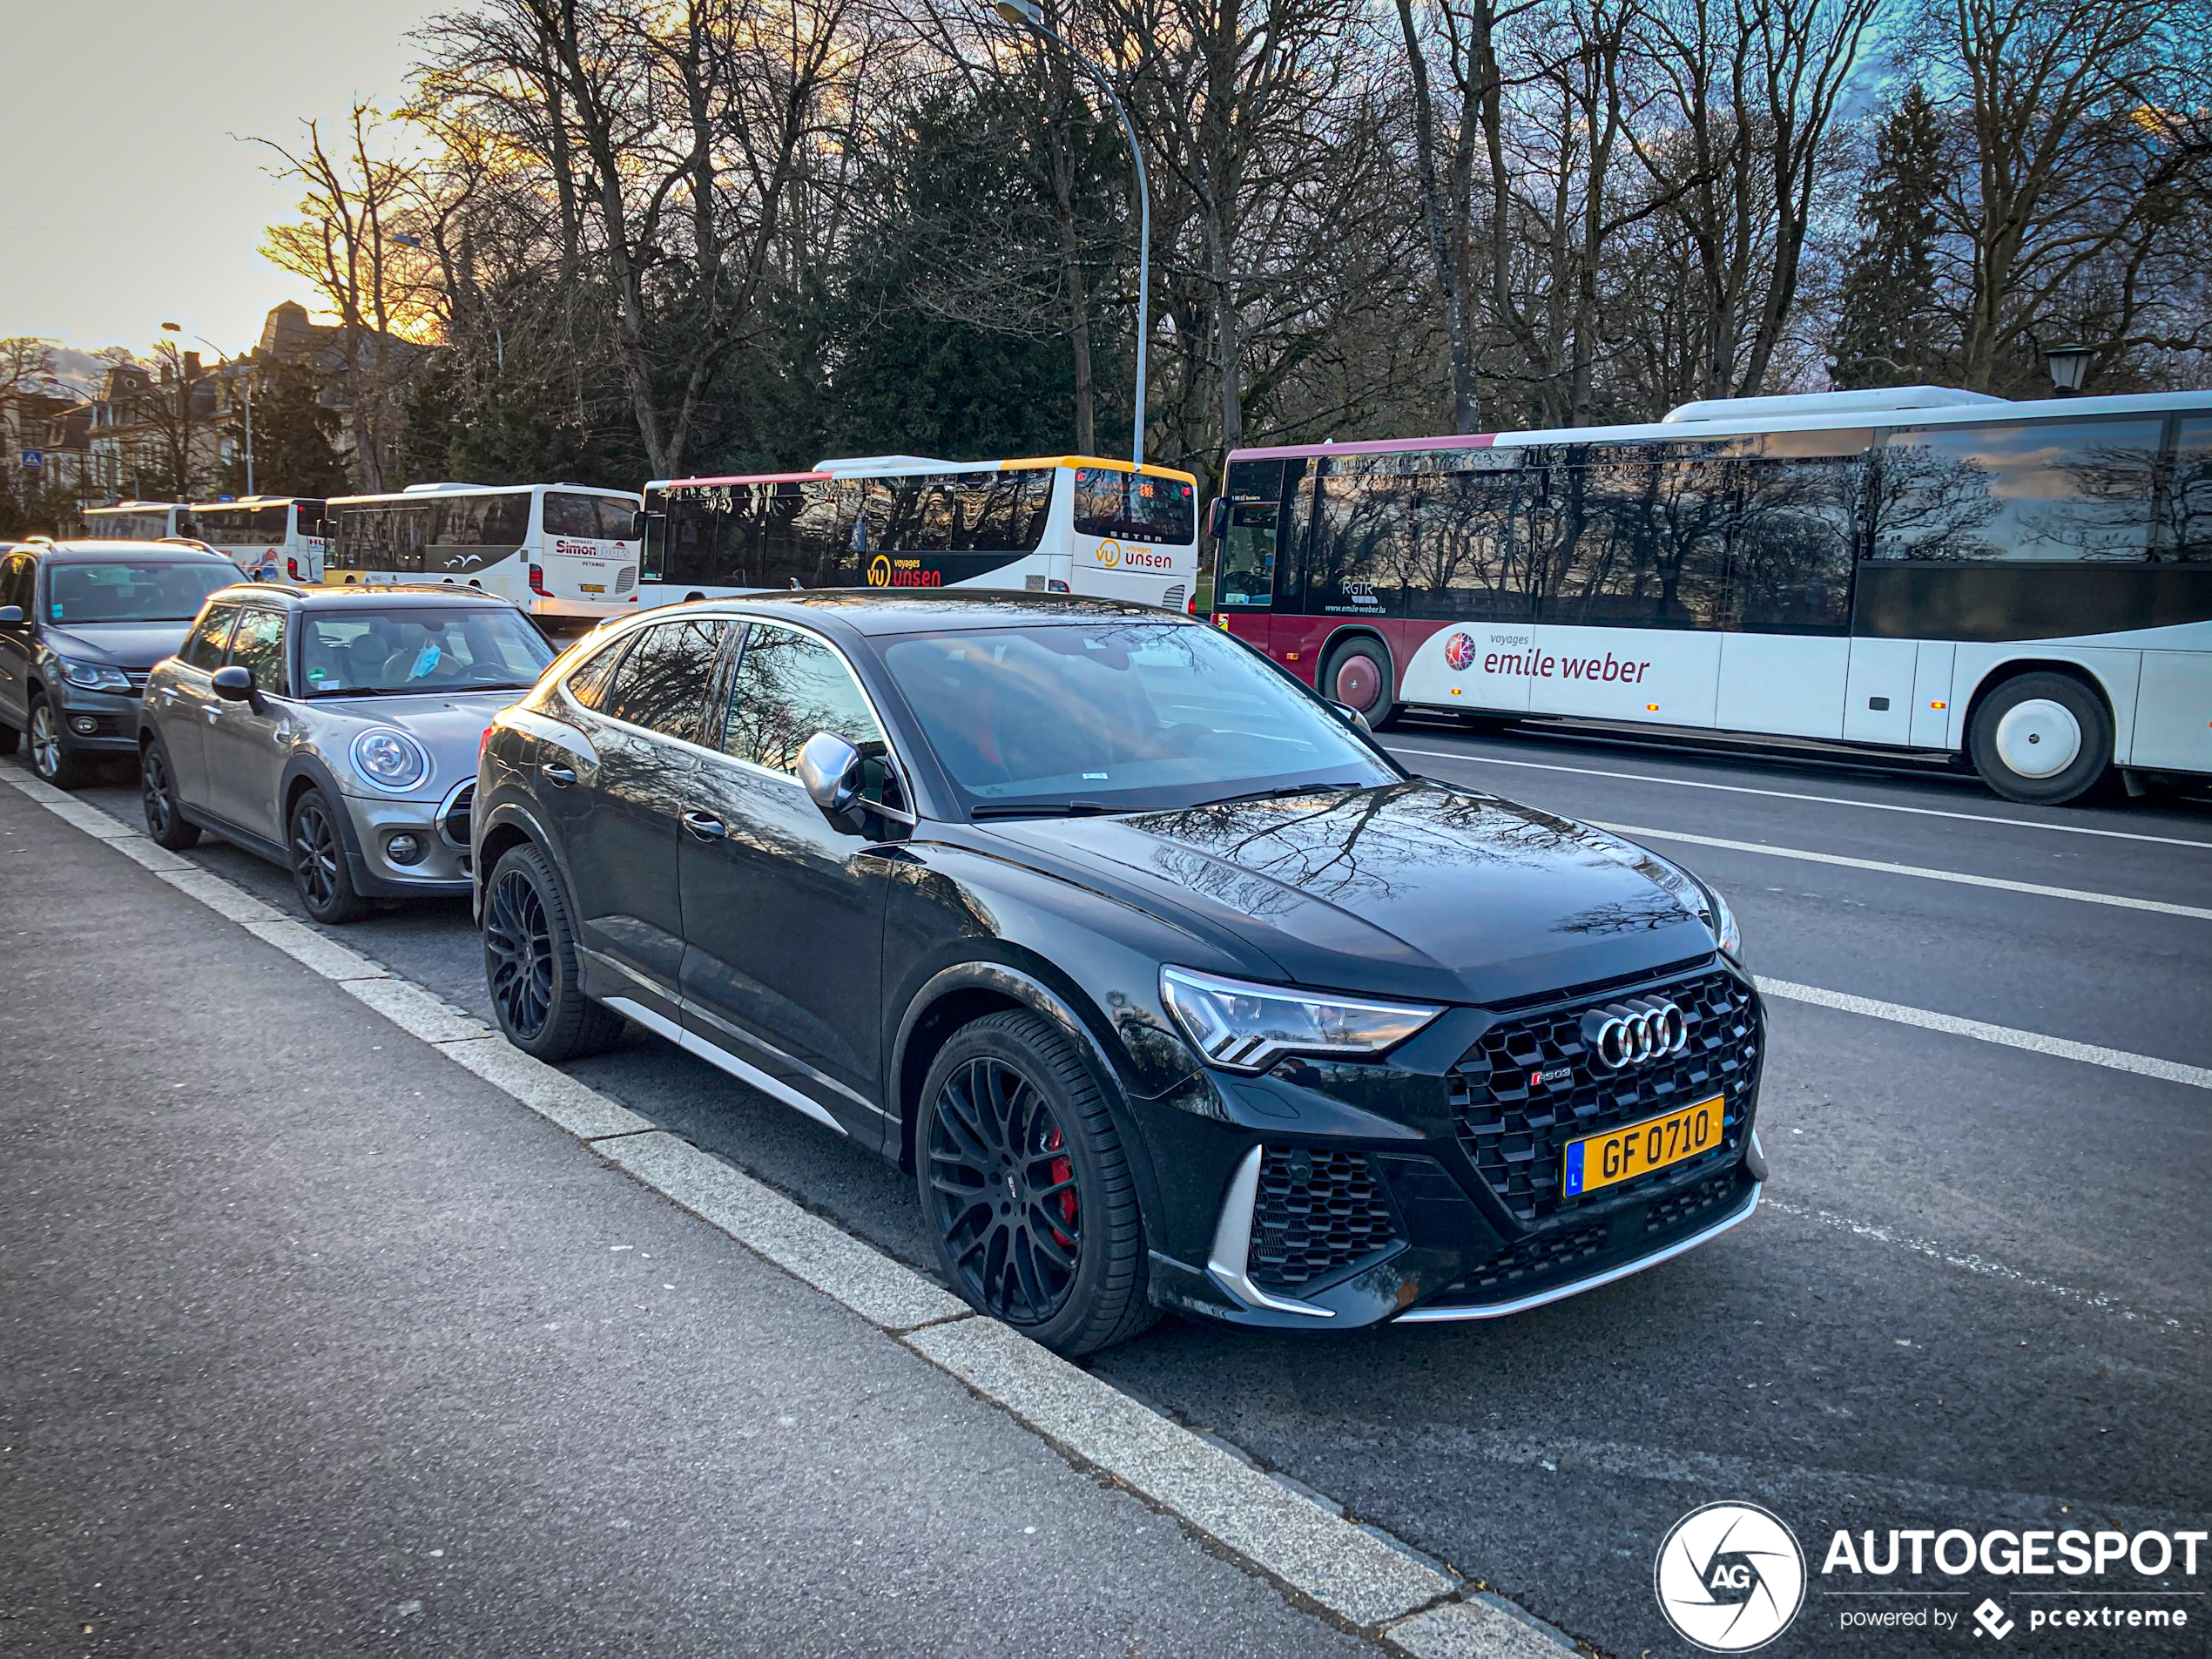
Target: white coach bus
[139, 521]
[281, 534]
[558, 551]
[2027, 584]
[1051, 524]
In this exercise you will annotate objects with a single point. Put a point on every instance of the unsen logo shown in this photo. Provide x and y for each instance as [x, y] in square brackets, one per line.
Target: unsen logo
[879, 571]
[1992, 1618]
[1729, 1577]
[1109, 554]
[1458, 652]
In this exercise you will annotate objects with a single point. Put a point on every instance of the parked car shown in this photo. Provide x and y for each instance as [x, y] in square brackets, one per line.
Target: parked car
[1170, 987]
[333, 730]
[82, 623]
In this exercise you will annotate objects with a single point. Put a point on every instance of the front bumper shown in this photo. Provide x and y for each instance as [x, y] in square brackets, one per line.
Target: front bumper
[441, 825]
[1335, 1197]
[112, 717]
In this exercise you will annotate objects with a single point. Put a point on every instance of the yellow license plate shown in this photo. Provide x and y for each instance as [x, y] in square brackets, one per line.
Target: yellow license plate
[593, 587]
[1632, 1150]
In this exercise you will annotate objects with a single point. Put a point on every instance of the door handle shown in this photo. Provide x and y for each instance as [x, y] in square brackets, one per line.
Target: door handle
[705, 826]
[561, 776]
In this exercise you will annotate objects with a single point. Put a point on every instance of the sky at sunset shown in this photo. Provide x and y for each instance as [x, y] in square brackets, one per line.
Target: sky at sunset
[130, 195]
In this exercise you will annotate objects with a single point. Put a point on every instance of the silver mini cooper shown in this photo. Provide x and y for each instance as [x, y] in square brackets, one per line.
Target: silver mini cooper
[334, 730]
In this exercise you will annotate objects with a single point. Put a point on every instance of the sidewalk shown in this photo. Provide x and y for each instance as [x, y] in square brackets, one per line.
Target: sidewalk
[311, 1342]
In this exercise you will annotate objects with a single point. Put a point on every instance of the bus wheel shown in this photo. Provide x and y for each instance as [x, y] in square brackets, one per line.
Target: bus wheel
[1358, 675]
[2044, 739]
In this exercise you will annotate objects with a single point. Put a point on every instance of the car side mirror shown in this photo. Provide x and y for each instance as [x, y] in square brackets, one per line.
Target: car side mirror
[233, 683]
[830, 768]
[10, 615]
[1352, 718]
[1217, 517]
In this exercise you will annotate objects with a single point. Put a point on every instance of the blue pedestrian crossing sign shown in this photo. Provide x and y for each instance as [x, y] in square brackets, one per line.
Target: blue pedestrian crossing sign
[33, 460]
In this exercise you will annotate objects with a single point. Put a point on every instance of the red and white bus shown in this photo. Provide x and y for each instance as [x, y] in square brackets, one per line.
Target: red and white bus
[1051, 524]
[2028, 584]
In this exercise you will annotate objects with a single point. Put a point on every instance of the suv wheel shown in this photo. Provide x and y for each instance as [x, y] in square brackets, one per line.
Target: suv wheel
[1027, 1189]
[530, 964]
[2042, 738]
[319, 867]
[165, 820]
[52, 762]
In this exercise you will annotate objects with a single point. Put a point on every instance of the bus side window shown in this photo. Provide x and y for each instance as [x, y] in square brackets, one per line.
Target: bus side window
[2044, 489]
[507, 519]
[2189, 510]
[1647, 526]
[1792, 557]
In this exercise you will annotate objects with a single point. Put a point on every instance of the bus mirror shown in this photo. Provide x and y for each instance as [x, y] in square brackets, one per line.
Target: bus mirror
[1217, 518]
[637, 526]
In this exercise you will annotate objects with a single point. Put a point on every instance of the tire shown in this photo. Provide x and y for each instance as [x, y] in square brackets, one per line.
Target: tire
[530, 964]
[1013, 1121]
[166, 825]
[1358, 674]
[51, 758]
[316, 842]
[2025, 725]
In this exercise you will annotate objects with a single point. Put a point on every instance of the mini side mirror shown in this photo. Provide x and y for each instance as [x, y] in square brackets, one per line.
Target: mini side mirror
[10, 615]
[1217, 517]
[1352, 718]
[831, 770]
[233, 683]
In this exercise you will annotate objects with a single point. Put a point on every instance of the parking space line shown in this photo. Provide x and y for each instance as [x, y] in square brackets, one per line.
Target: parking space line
[1822, 800]
[2143, 1065]
[1387, 1591]
[2119, 901]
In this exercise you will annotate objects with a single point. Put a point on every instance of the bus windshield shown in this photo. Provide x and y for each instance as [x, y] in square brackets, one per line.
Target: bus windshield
[361, 652]
[1118, 715]
[1133, 506]
[134, 590]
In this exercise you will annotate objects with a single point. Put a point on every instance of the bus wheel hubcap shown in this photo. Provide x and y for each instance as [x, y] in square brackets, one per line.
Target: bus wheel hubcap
[1358, 683]
[2039, 739]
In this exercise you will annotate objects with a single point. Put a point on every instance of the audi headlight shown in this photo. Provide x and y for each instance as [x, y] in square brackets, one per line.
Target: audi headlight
[389, 758]
[1722, 921]
[1248, 1028]
[94, 676]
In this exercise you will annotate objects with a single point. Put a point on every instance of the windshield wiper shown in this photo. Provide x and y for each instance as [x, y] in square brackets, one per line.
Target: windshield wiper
[1046, 809]
[1286, 791]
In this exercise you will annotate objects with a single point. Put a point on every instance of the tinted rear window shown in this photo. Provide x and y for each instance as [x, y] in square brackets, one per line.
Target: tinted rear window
[1133, 507]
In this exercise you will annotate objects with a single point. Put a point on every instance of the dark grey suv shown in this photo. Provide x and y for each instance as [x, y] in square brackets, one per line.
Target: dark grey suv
[1171, 987]
[81, 624]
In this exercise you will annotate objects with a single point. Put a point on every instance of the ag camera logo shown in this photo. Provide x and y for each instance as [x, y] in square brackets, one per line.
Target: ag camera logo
[1729, 1578]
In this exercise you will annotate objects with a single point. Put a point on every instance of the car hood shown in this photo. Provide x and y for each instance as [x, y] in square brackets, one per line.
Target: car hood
[449, 725]
[119, 645]
[1411, 889]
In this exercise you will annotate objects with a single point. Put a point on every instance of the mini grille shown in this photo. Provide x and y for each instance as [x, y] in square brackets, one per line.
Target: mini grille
[626, 578]
[1517, 1133]
[1173, 598]
[1315, 1212]
[455, 824]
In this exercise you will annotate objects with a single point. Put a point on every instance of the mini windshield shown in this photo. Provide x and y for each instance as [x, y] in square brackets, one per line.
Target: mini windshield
[133, 591]
[1118, 715]
[359, 652]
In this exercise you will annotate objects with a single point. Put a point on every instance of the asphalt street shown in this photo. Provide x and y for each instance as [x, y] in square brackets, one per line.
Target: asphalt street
[1977, 1293]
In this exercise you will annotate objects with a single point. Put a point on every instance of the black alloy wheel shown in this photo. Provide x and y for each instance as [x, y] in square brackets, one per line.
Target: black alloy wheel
[1028, 1194]
[166, 824]
[530, 965]
[319, 869]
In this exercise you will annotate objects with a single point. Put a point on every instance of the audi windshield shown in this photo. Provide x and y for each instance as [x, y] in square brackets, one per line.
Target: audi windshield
[1119, 715]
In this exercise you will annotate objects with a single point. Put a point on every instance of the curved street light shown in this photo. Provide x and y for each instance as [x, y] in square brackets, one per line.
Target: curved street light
[1027, 13]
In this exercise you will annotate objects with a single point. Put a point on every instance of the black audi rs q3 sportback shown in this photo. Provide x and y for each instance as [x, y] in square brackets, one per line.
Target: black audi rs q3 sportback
[1171, 987]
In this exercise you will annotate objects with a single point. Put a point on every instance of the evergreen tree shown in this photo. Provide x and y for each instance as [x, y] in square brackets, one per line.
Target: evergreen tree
[295, 437]
[1888, 327]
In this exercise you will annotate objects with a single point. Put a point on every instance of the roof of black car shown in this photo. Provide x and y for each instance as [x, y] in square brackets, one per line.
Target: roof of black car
[876, 610]
[95, 548]
[403, 595]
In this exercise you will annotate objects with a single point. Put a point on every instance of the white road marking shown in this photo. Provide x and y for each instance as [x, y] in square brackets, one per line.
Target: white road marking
[1824, 800]
[1351, 1571]
[1966, 1263]
[2143, 1065]
[2196, 913]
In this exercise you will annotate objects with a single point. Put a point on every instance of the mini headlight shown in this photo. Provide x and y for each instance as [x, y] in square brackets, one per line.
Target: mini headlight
[389, 758]
[1247, 1027]
[94, 676]
[1719, 918]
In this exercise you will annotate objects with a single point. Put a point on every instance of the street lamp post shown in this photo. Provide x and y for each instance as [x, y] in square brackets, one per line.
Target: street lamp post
[247, 387]
[1027, 13]
[2069, 366]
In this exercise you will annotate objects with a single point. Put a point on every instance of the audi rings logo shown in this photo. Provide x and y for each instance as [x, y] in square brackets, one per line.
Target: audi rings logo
[1635, 1033]
[1729, 1578]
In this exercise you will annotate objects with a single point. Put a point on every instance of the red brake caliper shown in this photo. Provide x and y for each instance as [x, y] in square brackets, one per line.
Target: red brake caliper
[1062, 1169]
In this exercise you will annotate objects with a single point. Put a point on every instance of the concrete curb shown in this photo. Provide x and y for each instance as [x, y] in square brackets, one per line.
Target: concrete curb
[1350, 1571]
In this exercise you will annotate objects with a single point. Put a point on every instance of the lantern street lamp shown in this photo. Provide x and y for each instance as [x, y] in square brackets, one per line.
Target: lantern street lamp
[2069, 367]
